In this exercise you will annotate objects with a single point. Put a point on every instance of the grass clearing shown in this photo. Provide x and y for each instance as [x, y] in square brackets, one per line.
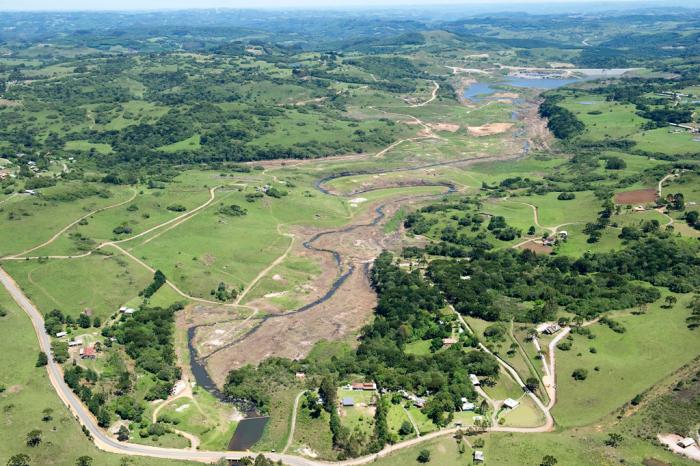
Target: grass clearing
[631, 362]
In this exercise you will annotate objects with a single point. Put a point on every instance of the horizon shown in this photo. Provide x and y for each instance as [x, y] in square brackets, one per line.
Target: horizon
[150, 6]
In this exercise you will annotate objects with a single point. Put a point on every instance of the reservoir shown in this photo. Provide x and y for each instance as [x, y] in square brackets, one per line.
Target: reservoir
[479, 92]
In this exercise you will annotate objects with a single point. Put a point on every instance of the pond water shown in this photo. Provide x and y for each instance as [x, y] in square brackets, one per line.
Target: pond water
[247, 433]
[478, 92]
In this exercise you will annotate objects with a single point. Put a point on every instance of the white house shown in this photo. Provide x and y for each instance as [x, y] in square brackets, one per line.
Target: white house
[466, 405]
[474, 379]
[61, 334]
[686, 442]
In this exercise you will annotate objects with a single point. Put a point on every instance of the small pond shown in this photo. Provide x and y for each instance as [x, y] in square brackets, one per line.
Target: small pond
[248, 432]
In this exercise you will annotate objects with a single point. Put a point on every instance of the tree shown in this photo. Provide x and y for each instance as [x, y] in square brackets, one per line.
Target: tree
[84, 461]
[614, 439]
[615, 163]
[311, 403]
[19, 460]
[548, 460]
[328, 393]
[96, 322]
[123, 434]
[678, 201]
[406, 428]
[670, 301]
[424, 456]
[579, 374]
[34, 438]
[532, 383]
[84, 320]
[42, 359]
[104, 419]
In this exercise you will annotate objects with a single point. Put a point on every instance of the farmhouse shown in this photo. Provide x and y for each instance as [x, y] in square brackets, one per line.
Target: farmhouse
[88, 353]
[127, 310]
[466, 405]
[369, 386]
[474, 379]
[75, 343]
[510, 403]
[686, 442]
[447, 342]
[61, 334]
[419, 402]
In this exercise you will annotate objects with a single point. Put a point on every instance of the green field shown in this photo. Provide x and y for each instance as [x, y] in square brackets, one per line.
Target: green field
[28, 393]
[631, 362]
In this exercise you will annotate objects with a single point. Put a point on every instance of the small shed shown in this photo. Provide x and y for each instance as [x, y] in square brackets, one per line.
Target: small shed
[510, 403]
[478, 456]
[474, 379]
[61, 334]
[348, 401]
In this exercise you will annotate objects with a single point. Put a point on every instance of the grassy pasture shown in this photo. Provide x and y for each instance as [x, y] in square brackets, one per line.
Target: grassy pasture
[29, 220]
[28, 392]
[630, 362]
[615, 120]
[101, 283]
[666, 141]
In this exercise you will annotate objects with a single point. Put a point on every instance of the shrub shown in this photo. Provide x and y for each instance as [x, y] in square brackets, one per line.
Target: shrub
[176, 208]
[566, 196]
[424, 456]
[579, 374]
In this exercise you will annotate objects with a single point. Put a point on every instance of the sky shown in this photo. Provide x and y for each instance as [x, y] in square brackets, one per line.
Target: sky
[26, 5]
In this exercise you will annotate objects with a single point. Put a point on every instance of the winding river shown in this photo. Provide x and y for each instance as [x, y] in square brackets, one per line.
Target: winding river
[252, 427]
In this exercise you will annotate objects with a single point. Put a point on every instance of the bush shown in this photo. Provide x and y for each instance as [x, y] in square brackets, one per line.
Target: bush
[615, 163]
[564, 345]
[424, 456]
[42, 360]
[579, 374]
[566, 196]
[177, 208]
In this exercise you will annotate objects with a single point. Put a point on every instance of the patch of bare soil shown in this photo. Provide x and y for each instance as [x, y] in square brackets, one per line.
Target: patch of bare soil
[506, 95]
[401, 181]
[9, 103]
[452, 128]
[489, 129]
[640, 196]
[537, 248]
